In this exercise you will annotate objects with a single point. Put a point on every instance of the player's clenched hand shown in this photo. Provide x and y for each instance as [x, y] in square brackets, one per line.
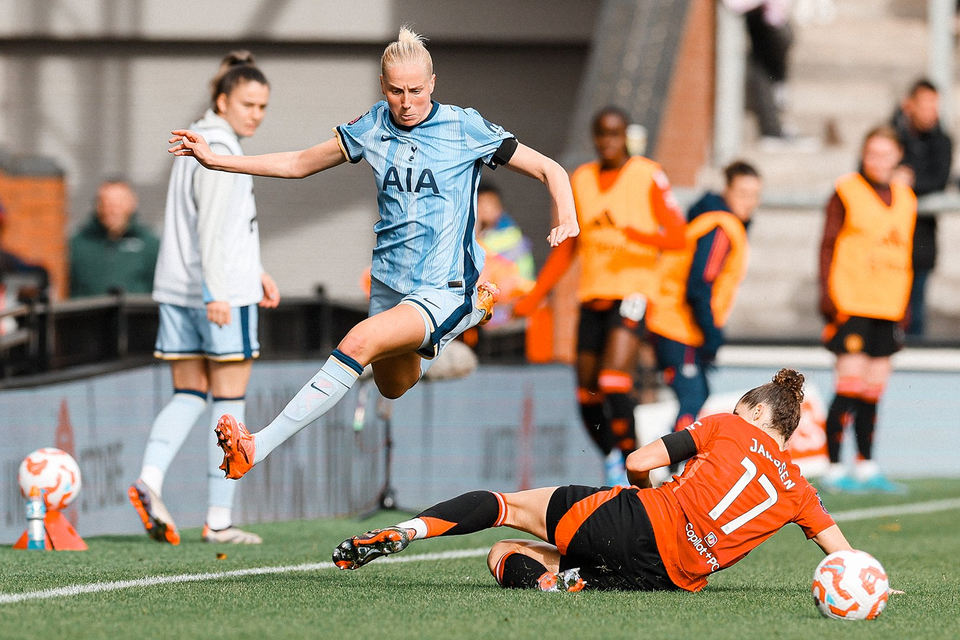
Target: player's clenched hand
[563, 231]
[271, 293]
[188, 143]
[218, 313]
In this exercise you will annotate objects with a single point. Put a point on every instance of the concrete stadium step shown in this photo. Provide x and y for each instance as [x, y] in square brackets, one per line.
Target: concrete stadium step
[845, 77]
[795, 171]
[861, 45]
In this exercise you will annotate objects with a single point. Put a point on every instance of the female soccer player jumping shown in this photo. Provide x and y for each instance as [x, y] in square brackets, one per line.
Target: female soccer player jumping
[426, 159]
[738, 489]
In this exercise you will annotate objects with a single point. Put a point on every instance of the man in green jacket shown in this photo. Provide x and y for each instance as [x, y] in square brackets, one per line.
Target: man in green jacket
[113, 252]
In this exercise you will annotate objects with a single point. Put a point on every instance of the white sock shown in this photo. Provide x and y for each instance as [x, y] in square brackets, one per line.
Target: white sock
[835, 471]
[152, 477]
[324, 390]
[170, 429]
[866, 469]
[220, 490]
[220, 518]
[417, 525]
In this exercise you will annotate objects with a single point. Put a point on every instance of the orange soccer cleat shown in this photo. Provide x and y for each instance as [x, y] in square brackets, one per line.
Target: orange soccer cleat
[238, 447]
[156, 519]
[487, 295]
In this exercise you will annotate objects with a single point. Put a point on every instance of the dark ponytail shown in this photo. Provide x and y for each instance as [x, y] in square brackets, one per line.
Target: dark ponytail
[235, 68]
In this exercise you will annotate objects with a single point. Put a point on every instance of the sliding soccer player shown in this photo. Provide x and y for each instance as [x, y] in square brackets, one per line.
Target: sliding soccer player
[738, 489]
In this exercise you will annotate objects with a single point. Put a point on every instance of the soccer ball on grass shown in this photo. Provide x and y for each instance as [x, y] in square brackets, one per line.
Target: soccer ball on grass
[850, 585]
[54, 472]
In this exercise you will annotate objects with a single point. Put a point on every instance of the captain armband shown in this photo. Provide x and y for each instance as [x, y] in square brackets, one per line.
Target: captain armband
[680, 446]
[503, 154]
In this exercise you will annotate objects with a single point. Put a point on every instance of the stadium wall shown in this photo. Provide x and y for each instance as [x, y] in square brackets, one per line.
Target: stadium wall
[35, 201]
[503, 428]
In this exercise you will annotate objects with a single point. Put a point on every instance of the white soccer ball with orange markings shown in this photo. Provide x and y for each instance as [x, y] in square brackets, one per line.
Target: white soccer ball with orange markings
[850, 585]
[53, 472]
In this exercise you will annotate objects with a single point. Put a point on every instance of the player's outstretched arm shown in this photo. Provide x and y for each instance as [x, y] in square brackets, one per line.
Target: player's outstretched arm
[640, 462]
[286, 164]
[534, 164]
[831, 539]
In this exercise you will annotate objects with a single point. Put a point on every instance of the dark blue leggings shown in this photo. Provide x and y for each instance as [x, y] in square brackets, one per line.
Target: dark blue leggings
[684, 372]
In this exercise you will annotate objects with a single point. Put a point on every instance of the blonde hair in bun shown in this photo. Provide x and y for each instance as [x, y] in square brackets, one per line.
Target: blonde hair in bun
[408, 48]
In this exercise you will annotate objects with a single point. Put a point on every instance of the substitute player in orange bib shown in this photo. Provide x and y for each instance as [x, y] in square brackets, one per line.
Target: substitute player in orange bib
[866, 272]
[627, 214]
[738, 489]
[698, 286]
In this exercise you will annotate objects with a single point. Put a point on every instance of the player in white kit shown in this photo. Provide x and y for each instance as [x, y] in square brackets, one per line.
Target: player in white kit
[426, 159]
[208, 282]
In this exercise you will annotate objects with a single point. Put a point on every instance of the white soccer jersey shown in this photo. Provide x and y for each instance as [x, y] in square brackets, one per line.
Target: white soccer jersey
[427, 177]
[210, 249]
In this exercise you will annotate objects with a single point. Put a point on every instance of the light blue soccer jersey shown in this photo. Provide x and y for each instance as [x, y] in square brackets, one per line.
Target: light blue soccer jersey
[427, 177]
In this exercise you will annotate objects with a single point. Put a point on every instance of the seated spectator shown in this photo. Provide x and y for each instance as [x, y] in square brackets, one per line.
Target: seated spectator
[113, 252]
[509, 261]
[927, 154]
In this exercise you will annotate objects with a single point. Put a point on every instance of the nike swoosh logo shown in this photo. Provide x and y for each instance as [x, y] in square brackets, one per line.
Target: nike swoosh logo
[326, 389]
[384, 138]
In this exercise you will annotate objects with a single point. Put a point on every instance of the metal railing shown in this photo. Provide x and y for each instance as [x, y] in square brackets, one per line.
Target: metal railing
[19, 342]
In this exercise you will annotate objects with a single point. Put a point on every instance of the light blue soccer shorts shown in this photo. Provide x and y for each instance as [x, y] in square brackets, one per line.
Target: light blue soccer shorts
[446, 312]
[186, 333]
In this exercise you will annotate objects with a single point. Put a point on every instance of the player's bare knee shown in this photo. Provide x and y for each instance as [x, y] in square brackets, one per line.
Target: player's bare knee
[354, 344]
[497, 552]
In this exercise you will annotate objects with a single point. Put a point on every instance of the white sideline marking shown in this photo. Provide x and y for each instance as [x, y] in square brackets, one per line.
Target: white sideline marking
[898, 510]
[100, 587]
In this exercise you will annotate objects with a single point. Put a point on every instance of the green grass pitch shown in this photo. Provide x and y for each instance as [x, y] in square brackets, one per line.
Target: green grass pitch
[767, 595]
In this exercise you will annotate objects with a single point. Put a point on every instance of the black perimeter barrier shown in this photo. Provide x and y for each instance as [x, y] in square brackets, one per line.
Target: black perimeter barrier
[92, 336]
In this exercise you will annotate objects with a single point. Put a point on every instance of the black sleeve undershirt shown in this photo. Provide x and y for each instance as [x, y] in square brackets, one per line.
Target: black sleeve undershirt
[680, 446]
[503, 154]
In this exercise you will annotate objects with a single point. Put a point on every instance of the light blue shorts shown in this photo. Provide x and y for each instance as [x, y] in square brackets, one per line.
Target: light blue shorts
[447, 312]
[186, 333]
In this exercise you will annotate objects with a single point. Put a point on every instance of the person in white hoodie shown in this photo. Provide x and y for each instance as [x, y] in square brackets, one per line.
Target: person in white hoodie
[209, 282]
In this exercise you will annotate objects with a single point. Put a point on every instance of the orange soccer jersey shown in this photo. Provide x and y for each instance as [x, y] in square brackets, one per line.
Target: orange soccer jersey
[735, 493]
